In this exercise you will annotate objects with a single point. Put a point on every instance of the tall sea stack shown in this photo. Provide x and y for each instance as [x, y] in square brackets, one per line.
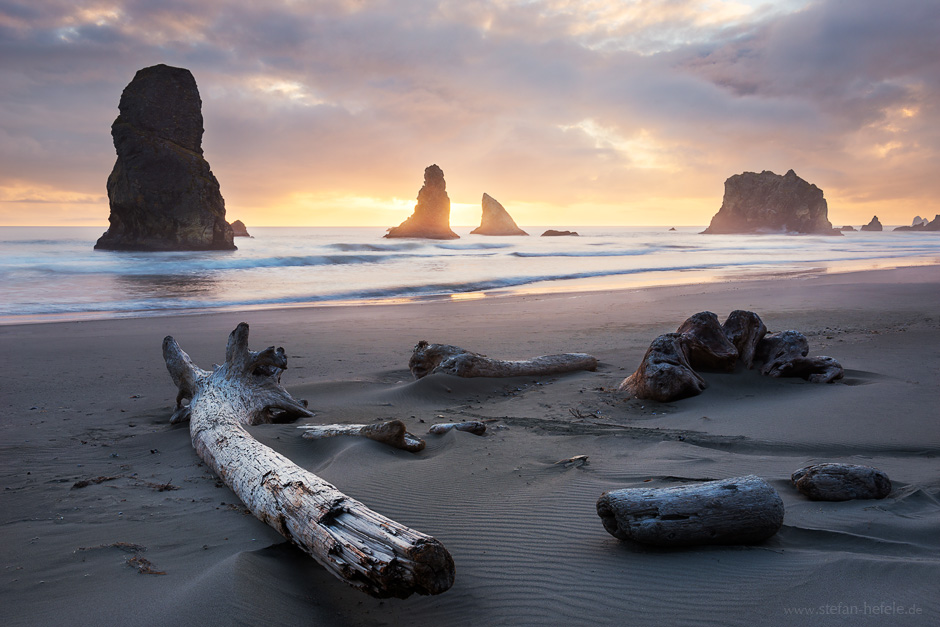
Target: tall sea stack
[431, 218]
[496, 220]
[163, 195]
[770, 203]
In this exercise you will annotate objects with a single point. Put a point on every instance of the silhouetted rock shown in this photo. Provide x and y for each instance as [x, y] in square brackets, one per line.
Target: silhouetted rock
[767, 202]
[163, 195]
[496, 220]
[672, 229]
[874, 225]
[431, 218]
[239, 229]
[933, 225]
[848, 228]
[554, 233]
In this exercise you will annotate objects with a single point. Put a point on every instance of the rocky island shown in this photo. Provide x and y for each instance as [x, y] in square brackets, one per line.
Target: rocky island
[431, 217]
[496, 220]
[921, 224]
[770, 203]
[874, 225]
[162, 194]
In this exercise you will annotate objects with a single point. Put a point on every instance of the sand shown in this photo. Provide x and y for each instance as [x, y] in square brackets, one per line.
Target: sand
[90, 402]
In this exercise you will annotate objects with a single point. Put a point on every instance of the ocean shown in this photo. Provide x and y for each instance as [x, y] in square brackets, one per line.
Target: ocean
[53, 273]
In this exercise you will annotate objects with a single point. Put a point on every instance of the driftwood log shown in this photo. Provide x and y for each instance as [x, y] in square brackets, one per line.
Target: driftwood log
[784, 355]
[745, 330]
[393, 432]
[706, 344]
[442, 358]
[471, 426]
[363, 548]
[742, 510]
[665, 373]
[841, 482]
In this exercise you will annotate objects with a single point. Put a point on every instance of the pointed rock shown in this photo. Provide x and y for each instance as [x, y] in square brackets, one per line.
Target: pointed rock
[496, 220]
[874, 225]
[431, 218]
[162, 194]
[239, 229]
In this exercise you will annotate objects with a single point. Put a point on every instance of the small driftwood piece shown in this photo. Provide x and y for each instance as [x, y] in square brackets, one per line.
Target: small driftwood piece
[363, 548]
[841, 482]
[394, 433]
[784, 355]
[443, 358]
[706, 344]
[742, 510]
[471, 426]
[745, 330]
[665, 373]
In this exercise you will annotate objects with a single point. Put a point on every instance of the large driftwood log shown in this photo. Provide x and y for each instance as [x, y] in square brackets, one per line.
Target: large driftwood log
[743, 510]
[745, 330]
[706, 344]
[841, 482]
[475, 427]
[393, 432]
[443, 358]
[366, 550]
[665, 373]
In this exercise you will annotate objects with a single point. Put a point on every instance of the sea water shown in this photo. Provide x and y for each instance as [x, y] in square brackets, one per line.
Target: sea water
[53, 273]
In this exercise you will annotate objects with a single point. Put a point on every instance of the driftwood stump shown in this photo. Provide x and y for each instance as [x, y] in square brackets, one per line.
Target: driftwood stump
[366, 550]
[393, 432]
[665, 373]
[436, 358]
[784, 355]
[745, 330]
[743, 510]
[706, 344]
[841, 482]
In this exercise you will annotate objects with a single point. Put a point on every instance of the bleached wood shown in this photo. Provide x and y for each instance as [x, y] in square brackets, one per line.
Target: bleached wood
[471, 426]
[742, 510]
[393, 433]
[841, 482]
[443, 358]
[363, 548]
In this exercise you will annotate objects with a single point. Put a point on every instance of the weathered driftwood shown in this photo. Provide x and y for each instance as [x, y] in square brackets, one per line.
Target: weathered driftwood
[665, 373]
[706, 344]
[393, 432]
[784, 355]
[471, 426]
[742, 510]
[443, 358]
[745, 330]
[841, 482]
[366, 550]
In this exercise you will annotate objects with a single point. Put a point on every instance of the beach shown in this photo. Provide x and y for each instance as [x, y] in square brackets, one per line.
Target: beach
[89, 402]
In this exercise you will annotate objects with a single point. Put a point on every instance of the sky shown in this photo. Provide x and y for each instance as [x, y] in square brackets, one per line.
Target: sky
[631, 112]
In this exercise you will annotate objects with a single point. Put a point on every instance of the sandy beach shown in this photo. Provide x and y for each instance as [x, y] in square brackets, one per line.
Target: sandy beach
[89, 403]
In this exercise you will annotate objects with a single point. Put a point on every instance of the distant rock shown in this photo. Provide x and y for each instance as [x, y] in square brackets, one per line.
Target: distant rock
[848, 227]
[919, 221]
[163, 195]
[431, 218]
[672, 229]
[874, 225]
[239, 229]
[554, 233]
[933, 225]
[770, 203]
[496, 220]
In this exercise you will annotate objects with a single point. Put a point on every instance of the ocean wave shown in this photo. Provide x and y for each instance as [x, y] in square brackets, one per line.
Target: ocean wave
[353, 247]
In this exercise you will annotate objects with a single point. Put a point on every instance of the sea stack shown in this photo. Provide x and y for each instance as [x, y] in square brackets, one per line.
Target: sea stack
[874, 225]
[239, 229]
[496, 220]
[770, 203]
[163, 195]
[431, 218]
[933, 225]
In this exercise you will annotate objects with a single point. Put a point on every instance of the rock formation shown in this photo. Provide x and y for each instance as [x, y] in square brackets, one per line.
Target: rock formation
[933, 225]
[874, 225]
[848, 227]
[918, 221]
[163, 195]
[431, 218]
[770, 203]
[554, 233]
[496, 220]
[239, 229]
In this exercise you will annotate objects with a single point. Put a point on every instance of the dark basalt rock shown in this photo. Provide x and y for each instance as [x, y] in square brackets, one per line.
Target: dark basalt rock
[841, 482]
[933, 225]
[163, 195]
[770, 203]
[554, 233]
[239, 229]
[431, 217]
[496, 220]
[874, 225]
